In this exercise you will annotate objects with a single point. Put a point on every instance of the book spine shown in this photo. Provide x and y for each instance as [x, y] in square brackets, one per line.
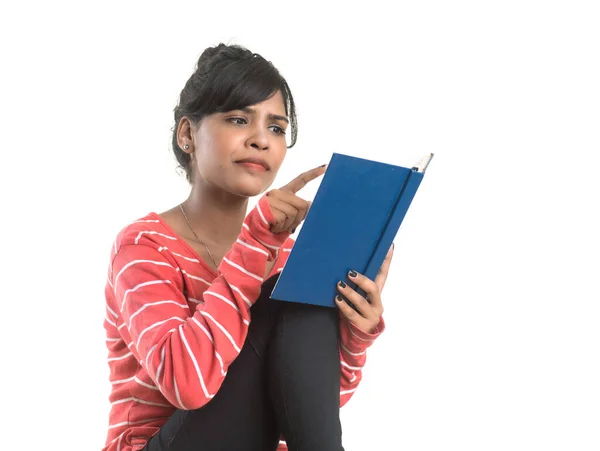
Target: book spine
[405, 197]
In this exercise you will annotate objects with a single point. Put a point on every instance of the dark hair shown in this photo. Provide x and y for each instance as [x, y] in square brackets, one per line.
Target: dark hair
[229, 77]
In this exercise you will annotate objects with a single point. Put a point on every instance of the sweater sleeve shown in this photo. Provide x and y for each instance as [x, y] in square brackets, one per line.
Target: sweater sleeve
[353, 355]
[187, 356]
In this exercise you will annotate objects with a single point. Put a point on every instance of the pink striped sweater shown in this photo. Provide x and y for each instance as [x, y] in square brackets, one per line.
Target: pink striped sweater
[173, 325]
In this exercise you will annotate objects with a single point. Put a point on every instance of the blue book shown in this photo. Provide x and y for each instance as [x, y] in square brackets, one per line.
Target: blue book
[354, 218]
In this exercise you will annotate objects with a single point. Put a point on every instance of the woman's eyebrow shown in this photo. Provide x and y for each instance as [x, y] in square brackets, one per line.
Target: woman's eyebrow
[271, 116]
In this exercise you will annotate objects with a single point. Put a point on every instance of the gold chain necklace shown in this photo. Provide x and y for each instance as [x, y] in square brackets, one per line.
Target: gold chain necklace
[196, 236]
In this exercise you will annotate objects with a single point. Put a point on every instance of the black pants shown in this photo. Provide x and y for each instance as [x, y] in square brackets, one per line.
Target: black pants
[285, 380]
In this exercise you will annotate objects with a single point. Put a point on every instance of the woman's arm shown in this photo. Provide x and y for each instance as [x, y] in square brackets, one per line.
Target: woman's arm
[353, 355]
[187, 356]
[359, 327]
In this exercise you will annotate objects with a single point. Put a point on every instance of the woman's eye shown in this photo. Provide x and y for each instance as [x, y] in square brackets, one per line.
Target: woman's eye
[277, 130]
[237, 120]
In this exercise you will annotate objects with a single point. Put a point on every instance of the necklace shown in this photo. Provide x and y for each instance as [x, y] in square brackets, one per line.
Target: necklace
[196, 236]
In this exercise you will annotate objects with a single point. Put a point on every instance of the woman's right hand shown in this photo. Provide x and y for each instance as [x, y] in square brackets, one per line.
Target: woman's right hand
[290, 210]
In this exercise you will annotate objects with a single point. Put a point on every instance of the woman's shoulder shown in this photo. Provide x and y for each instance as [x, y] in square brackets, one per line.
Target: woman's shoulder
[149, 230]
[141, 229]
[151, 234]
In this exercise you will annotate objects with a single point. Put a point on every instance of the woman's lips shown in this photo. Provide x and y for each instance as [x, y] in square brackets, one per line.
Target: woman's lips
[254, 164]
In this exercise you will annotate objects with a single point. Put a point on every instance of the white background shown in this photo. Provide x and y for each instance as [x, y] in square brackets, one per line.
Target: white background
[492, 303]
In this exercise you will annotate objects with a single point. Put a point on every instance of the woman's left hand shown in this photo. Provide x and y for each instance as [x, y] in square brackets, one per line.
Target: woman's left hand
[370, 309]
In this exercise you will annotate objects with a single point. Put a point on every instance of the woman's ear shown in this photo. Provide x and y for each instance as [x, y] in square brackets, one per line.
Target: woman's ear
[185, 135]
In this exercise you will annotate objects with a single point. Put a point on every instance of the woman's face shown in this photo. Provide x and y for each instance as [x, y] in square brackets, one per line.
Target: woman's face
[241, 151]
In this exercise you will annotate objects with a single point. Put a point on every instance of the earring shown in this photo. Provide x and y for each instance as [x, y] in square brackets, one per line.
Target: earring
[186, 147]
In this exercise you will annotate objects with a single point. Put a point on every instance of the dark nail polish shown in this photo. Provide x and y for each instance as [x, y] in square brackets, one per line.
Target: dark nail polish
[342, 284]
[353, 273]
[339, 298]
[294, 229]
[323, 165]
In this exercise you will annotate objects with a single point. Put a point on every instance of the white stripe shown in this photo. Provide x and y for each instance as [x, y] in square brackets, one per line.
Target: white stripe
[122, 381]
[145, 220]
[353, 378]
[218, 356]
[195, 362]
[254, 276]
[279, 269]
[152, 232]
[141, 285]
[353, 368]
[195, 277]
[112, 340]
[287, 249]
[152, 326]
[261, 215]
[161, 364]
[228, 302]
[112, 312]
[222, 330]
[111, 322]
[196, 301]
[360, 338]
[204, 329]
[177, 393]
[135, 262]
[132, 423]
[121, 326]
[116, 438]
[193, 260]
[209, 336]
[108, 280]
[113, 359]
[254, 248]
[119, 437]
[144, 384]
[184, 306]
[148, 358]
[139, 400]
[346, 392]
[270, 246]
[236, 289]
[352, 353]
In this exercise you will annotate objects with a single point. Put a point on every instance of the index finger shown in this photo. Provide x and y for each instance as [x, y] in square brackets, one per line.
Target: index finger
[301, 181]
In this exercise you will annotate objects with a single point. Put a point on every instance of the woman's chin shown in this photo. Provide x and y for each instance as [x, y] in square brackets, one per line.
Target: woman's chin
[249, 189]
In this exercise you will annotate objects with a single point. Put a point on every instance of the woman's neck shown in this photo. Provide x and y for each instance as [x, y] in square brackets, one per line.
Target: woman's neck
[216, 216]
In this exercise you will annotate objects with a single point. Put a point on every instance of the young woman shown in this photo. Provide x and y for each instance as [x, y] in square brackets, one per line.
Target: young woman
[200, 357]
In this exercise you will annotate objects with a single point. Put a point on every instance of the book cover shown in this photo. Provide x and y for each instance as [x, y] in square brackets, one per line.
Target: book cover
[355, 216]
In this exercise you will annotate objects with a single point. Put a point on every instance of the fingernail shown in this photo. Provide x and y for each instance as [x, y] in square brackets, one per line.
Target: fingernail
[323, 165]
[294, 229]
[339, 299]
[393, 246]
[342, 284]
[353, 273]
